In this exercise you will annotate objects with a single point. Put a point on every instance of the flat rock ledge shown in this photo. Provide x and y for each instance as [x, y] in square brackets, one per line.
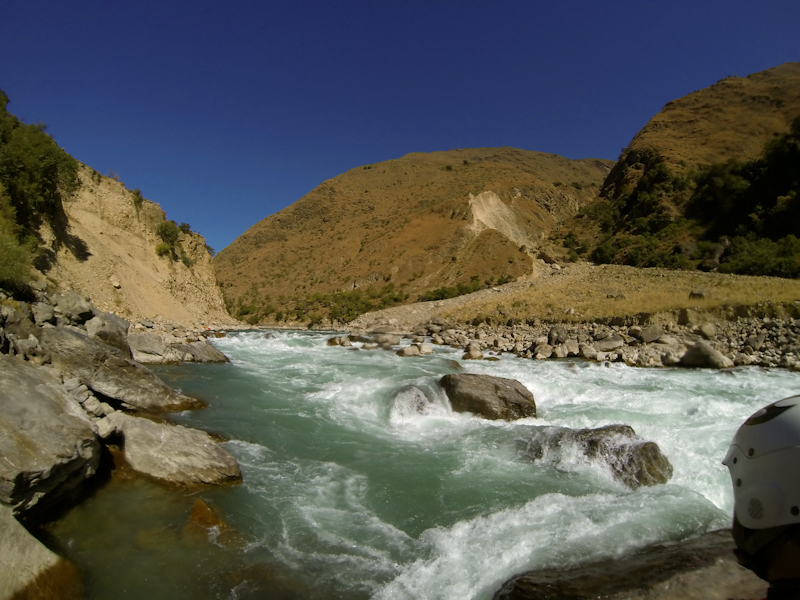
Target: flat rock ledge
[489, 397]
[171, 453]
[703, 568]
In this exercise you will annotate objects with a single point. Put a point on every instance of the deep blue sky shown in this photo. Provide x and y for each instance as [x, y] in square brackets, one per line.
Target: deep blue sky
[226, 112]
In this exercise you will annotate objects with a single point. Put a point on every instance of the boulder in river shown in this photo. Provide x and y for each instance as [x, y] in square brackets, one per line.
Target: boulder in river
[489, 397]
[703, 568]
[633, 461]
[106, 371]
[172, 453]
[47, 444]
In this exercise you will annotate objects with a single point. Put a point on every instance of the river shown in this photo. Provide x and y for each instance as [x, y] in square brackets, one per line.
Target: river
[350, 492]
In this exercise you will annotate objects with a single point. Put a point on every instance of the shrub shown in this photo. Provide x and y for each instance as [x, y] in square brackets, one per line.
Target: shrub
[138, 199]
[163, 249]
[36, 174]
[185, 228]
[168, 231]
[186, 260]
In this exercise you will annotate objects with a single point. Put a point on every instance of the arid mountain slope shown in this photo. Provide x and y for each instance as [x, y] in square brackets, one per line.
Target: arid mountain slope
[421, 221]
[107, 252]
[731, 119]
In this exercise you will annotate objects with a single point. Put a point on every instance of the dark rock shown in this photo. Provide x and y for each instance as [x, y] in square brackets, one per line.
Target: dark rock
[387, 339]
[47, 444]
[43, 313]
[707, 330]
[702, 568]
[489, 397]
[172, 453]
[650, 333]
[72, 308]
[110, 329]
[200, 352]
[107, 371]
[700, 294]
[703, 356]
[633, 461]
[610, 343]
[557, 335]
[756, 341]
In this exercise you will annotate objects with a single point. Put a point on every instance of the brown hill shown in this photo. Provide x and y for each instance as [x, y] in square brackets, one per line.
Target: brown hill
[421, 222]
[731, 119]
[109, 255]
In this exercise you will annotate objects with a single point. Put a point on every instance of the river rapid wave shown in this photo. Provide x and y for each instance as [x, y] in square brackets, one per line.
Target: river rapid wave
[360, 481]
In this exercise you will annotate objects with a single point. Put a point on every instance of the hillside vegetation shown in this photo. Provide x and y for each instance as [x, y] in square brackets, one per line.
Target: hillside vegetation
[424, 225]
[711, 182]
[68, 227]
[35, 176]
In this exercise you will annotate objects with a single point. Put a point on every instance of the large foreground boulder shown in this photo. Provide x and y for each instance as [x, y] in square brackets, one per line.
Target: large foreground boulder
[633, 461]
[489, 397]
[106, 371]
[47, 445]
[703, 568]
[171, 453]
[150, 347]
[29, 570]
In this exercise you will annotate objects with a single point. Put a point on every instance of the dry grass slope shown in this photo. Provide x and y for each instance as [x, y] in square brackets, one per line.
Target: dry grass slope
[410, 221]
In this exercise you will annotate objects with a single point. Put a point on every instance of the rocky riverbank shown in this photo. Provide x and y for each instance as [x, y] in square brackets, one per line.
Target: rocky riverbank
[70, 394]
[690, 340]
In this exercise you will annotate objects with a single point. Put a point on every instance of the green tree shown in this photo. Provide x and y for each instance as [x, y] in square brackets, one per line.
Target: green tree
[36, 173]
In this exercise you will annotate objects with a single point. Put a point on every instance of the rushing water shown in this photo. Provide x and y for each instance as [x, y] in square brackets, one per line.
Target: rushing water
[353, 490]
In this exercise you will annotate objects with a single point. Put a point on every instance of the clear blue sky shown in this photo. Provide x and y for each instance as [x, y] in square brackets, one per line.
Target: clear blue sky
[226, 112]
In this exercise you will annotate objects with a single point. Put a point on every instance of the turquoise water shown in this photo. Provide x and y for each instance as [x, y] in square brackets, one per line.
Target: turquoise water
[351, 492]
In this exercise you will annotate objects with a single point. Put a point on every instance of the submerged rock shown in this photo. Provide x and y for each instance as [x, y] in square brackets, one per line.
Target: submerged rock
[47, 445]
[633, 461]
[703, 568]
[489, 397]
[106, 371]
[172, 453]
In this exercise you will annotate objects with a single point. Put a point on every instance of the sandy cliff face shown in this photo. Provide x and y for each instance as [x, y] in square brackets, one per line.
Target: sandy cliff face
[107, 252]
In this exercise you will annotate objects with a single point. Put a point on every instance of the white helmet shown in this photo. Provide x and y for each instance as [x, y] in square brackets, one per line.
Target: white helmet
[764, 462]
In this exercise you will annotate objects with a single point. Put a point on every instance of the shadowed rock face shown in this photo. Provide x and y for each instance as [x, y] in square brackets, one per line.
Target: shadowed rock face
[106, 371]
[489, 397]
[700, 569]
[47, 445]
[31, 571]
[633, 461]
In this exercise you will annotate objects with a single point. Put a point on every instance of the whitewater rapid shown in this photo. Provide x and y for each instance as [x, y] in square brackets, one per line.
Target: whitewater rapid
[360, 481]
